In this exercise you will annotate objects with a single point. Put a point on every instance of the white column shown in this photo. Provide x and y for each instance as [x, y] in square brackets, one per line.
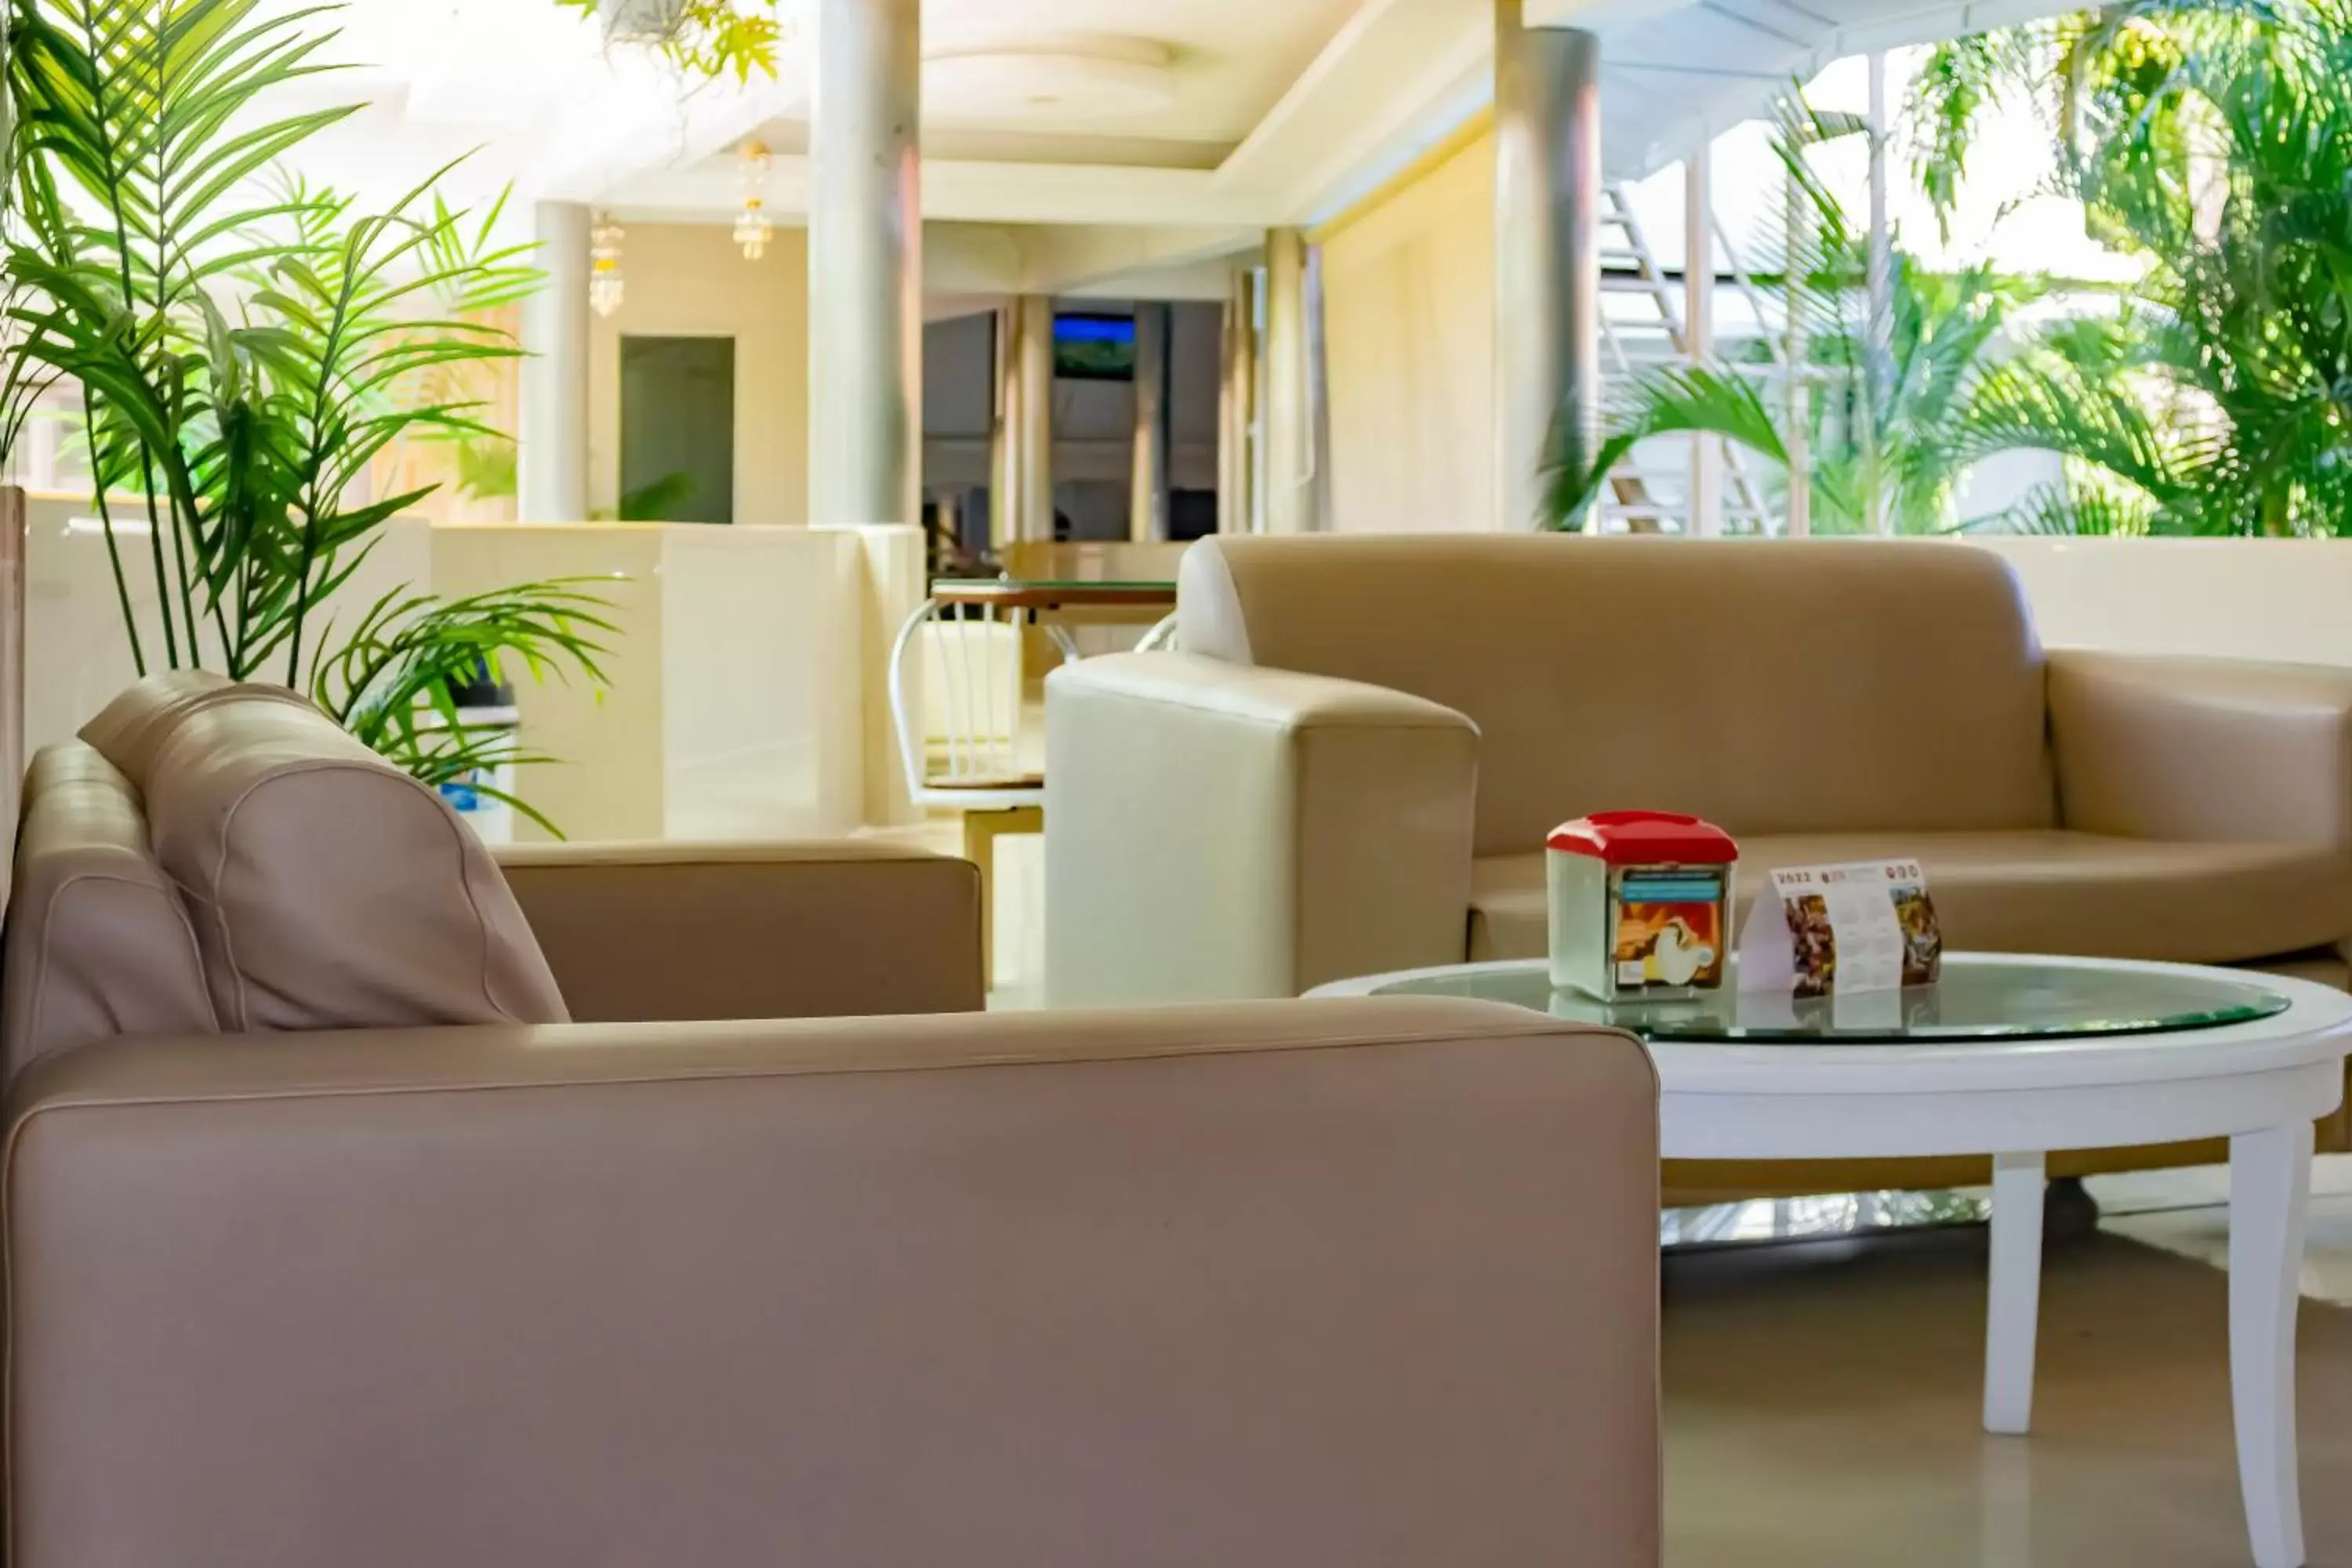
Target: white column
[865, 337]
[1148, 474]
[1002, 479]
[12, 655]
[1698, 332]
[1237, 403]
[1878, 359]
[1289, 426]
[551, 448]
[1023, 508]
[1547, 256]
[1318, 398]
[1795, 432]
[865, 302]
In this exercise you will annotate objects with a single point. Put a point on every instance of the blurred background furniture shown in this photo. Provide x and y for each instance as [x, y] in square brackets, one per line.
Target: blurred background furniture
[956, 708]
[331, 1241]
[959, 692]
[1351, 765]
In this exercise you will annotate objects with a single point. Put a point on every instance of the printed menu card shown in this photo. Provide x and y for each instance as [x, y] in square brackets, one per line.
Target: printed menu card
[1865, 926]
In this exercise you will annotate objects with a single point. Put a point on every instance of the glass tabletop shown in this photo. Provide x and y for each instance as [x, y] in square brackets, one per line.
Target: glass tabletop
[1980, 997]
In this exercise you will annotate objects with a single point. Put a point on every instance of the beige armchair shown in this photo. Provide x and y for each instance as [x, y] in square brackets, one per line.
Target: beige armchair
[1334, 1284]
[1351, 766]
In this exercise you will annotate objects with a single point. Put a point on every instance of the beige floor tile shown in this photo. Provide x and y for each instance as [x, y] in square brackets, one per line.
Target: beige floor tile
[2134, 1191]
[2204, 1233]
[1823, 1406]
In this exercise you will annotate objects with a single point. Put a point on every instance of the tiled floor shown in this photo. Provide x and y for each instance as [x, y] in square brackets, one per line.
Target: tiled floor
[1822, 1403]
[2187, 1212]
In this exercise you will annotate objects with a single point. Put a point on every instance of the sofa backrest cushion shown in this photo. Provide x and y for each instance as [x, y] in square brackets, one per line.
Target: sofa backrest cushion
[129, 729]
[98, 941]
[327, 889]
[1770, 685]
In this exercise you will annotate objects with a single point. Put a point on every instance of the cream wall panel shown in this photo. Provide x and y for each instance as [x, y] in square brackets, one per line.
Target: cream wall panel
[735, 707]
[1409, 341]
[76, 655]
[762, 639]
[2243, 598]
[892, 585]
[690, 279]
[606, 779]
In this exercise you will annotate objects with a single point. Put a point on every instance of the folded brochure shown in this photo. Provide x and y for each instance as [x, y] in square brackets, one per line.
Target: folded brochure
[1867, 925]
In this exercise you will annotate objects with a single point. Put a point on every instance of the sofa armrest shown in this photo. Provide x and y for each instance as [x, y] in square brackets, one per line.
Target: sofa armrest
[676, 931]
[2202, 749]
[1216, 830]
[835, 1292]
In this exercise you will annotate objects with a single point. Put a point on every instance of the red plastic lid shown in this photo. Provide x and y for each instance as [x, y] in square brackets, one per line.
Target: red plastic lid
[1644, 838]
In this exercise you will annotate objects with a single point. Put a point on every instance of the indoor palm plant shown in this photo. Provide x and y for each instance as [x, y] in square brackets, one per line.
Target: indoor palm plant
[245, 347]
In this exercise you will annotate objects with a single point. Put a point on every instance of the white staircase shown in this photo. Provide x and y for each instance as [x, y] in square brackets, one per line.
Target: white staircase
[1642, 331]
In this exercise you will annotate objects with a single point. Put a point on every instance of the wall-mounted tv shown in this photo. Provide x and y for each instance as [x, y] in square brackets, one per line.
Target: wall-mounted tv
[1093, 347]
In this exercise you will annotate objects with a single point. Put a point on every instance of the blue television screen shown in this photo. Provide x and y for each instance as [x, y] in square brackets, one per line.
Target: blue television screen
[1094, 348]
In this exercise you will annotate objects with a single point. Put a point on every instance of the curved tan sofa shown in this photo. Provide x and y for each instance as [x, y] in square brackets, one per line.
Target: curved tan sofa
[329, 1241]
[1351, 766]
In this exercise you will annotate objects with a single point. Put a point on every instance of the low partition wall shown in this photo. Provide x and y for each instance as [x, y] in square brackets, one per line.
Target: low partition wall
[742, 673]
[2280, 599]
[747, 696]
[77, 650]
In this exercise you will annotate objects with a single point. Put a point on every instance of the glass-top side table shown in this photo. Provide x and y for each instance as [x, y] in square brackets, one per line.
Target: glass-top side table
[1980, 997]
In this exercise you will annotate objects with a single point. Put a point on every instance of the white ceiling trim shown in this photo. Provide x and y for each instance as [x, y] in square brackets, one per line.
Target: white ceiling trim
[970, 191]
[1076, 260]
[1396, 77]
[585, 161]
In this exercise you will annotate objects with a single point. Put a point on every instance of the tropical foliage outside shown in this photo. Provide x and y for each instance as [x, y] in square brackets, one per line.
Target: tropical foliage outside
[2213, 145]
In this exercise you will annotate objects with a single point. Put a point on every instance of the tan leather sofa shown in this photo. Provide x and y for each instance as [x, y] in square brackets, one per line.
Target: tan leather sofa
[1334, 1284]
[1351, 766]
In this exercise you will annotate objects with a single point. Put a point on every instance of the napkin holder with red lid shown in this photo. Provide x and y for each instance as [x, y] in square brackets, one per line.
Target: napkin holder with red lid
[1640, 905]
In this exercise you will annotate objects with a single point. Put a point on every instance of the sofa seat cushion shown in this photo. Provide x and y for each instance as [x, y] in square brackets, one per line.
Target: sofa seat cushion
[2028, 890]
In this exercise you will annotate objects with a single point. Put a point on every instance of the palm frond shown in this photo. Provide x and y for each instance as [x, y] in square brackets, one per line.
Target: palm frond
[248, 346]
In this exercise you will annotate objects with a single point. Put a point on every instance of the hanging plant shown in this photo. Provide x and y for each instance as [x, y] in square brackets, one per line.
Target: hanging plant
[715, 38]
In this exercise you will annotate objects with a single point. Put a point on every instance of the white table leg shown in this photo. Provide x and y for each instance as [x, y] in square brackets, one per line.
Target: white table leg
[2014, 1294]
[2269, 1197]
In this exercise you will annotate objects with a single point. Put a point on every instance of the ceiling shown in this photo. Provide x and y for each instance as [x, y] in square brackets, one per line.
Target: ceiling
[1223, 64]
[1108, 134]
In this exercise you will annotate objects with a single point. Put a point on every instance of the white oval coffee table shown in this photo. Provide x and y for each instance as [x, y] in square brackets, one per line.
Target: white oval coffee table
[1979, 1066]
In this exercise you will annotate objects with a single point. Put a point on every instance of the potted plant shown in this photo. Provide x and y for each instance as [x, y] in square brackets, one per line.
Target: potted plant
[247, 345]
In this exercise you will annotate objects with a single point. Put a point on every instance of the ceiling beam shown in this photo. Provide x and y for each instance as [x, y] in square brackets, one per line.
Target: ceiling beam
[639, 130]
[1384, 86]
[970, 191]
[1111, 261]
